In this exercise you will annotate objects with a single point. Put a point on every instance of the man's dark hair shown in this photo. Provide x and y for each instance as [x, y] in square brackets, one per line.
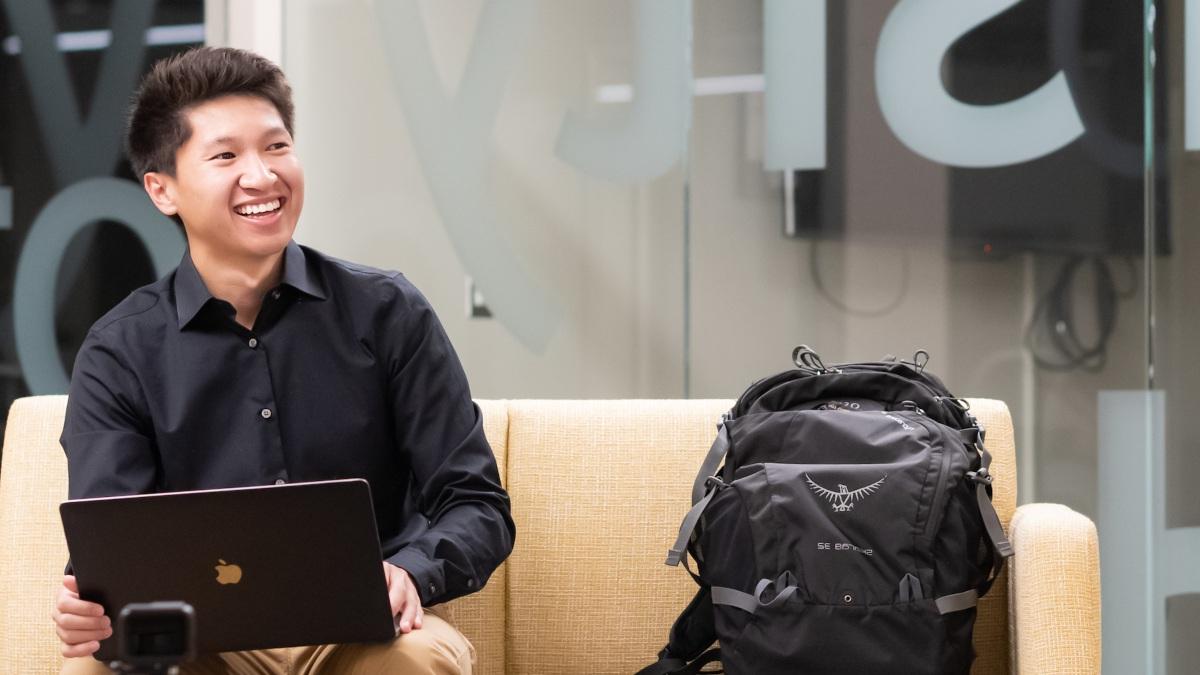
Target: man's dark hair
[157, 125]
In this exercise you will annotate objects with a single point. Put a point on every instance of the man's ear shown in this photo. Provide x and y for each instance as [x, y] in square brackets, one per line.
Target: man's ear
[162, 192]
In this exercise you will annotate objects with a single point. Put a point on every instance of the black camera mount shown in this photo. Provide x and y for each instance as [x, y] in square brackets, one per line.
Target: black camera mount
[154, 637]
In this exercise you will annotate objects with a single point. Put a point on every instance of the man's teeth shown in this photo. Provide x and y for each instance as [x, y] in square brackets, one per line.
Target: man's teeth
[258, 208]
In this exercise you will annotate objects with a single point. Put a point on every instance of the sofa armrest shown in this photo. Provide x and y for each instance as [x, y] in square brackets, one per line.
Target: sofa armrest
[1054, 591]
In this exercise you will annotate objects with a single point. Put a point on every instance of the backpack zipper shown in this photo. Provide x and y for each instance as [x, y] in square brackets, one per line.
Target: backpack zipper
[936, 508]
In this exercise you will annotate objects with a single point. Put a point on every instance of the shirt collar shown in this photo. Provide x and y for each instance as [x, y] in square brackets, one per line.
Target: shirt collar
[191, 294]
[297, 273]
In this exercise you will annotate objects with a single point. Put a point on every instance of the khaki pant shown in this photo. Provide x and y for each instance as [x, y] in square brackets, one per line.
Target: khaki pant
[437, 648]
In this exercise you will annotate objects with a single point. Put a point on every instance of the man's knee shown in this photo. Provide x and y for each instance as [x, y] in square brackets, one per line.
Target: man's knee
[444, 648]
[435, 649]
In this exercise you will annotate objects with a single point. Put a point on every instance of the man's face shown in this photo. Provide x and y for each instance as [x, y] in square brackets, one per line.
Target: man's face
[238, 161]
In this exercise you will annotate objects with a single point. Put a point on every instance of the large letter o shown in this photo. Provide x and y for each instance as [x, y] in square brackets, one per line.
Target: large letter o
[71, 210]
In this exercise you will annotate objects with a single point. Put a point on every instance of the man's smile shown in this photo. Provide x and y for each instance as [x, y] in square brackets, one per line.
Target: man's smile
[260, 210]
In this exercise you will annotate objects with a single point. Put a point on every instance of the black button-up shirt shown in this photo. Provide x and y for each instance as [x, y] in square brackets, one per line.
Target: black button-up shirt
[347, 373]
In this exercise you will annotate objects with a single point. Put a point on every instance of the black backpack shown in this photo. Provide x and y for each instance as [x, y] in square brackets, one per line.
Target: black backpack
[841, 523]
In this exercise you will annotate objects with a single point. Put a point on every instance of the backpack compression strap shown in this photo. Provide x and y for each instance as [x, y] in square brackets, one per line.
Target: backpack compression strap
[991, 521]
[712, 461]
[703, 490]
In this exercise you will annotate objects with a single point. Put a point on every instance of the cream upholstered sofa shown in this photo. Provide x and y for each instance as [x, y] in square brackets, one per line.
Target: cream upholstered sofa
[598, 489]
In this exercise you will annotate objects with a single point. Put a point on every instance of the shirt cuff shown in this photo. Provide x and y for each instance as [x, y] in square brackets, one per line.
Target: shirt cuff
[425, 573]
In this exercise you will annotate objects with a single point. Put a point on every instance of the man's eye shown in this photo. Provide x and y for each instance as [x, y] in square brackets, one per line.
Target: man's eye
[277, 146]
[223, 155]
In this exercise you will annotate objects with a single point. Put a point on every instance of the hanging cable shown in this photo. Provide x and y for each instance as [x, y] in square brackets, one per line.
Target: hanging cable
[1053, 336]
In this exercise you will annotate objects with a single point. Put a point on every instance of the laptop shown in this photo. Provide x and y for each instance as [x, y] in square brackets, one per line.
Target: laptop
[263, 567]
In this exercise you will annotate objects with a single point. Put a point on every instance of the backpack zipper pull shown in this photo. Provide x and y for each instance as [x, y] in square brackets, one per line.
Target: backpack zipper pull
[806, 359]
[920, 360]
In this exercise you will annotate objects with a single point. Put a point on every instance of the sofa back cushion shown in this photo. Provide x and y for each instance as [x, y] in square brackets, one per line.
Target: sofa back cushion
[598, 490]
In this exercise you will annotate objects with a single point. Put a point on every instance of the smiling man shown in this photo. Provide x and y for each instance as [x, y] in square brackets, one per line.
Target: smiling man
[259, 361]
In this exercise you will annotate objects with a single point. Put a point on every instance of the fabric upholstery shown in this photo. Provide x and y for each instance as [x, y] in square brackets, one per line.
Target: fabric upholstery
[33, 482]
[1056, 606]
[598, 488]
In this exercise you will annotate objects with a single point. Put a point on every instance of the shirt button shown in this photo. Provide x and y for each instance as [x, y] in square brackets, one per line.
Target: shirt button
[280, 481]
[275, 294]
[433, 589]
[253, 343]
[266, 413]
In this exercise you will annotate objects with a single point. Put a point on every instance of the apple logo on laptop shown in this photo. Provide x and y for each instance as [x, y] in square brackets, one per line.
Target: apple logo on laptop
[227, 573]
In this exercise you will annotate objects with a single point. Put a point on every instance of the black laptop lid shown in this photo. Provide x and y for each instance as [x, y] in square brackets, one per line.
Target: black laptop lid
[264, 567]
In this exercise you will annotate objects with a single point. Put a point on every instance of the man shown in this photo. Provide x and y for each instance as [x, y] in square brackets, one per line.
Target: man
[259, 361]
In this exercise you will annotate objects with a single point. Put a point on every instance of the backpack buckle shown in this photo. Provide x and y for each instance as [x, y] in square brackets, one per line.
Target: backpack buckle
[980, 476]
[714, 482]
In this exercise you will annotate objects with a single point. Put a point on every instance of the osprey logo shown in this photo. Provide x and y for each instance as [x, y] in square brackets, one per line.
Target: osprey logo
[844, 498]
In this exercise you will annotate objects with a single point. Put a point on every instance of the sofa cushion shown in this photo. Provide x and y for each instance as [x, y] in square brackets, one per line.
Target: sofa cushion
[598, 488]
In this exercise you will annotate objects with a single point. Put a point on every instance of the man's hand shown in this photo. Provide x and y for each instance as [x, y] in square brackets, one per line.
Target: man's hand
[402, 592]
[81, 625]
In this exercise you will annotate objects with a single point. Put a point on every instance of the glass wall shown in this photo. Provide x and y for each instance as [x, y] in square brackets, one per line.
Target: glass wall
[77, 233]
[661, 199]
[1174, 367]
[466, 144]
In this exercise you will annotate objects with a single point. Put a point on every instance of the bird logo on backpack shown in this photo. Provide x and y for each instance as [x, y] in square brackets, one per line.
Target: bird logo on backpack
[844, 498]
